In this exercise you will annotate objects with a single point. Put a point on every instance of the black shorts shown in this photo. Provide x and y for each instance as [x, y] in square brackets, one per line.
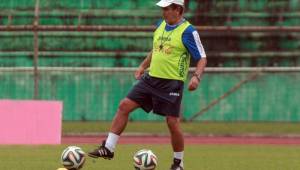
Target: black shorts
[163, 96]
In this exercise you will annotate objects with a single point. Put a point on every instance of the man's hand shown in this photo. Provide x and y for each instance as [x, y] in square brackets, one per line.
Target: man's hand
[194, 82]
[138, 73]
[143, 66]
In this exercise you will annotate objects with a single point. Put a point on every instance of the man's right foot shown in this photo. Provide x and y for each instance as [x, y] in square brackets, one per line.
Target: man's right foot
[101, 151]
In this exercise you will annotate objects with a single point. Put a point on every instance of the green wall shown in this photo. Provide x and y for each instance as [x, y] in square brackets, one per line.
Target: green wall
[95, 95]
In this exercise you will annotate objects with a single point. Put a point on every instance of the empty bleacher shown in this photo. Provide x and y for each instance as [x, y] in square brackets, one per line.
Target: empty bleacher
[127, 49]
[95, 95]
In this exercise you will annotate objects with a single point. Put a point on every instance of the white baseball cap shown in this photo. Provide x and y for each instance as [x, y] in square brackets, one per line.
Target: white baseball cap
[165, 3]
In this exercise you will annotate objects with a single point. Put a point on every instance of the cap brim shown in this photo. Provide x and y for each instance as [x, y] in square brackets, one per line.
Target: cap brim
[163, 4]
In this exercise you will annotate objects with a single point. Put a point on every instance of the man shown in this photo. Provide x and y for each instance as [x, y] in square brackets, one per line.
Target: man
[160, 90]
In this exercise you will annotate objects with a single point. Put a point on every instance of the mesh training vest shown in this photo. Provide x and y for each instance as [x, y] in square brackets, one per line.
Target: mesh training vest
[170, 58]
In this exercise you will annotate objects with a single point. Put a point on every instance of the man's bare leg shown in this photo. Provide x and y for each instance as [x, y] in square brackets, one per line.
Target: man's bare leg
[106, 150]
[119, 122]
[176, 137]
[121, 118]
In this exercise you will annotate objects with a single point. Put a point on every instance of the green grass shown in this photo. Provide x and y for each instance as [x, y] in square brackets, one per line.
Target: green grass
[198, 128]
[197, 157]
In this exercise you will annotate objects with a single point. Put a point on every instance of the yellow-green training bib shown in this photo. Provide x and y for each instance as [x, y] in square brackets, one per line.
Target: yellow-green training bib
[170, 58]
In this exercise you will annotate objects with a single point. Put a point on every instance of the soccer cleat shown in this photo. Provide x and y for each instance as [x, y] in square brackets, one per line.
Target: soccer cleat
[101, 151]
[176, 165]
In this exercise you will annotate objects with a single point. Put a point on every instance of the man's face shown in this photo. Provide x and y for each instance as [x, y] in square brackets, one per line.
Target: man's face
[171, 14]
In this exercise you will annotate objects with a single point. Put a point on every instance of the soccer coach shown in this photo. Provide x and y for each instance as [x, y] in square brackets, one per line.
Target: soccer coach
[175, 41]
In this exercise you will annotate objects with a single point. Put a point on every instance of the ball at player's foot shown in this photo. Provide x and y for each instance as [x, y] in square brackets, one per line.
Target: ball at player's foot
[62, 169]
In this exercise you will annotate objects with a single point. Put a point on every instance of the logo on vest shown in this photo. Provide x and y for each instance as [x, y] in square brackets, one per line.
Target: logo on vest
[164, 38]
[183, 64]
[166, 49]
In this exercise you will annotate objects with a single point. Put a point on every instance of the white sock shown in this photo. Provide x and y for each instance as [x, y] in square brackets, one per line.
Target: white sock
[111, 141]
[179, 155]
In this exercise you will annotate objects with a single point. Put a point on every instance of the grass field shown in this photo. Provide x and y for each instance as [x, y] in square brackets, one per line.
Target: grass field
[197, 157]
[195, 128]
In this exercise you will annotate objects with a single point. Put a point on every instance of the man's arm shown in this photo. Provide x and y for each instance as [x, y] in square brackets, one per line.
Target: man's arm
[192, 42]
[143, 66]
[196, 78]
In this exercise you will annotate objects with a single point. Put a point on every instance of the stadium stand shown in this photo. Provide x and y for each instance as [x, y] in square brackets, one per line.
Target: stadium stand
[127, 48]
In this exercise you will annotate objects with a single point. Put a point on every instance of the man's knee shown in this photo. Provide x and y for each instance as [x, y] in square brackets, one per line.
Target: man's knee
[173, 122]
[126, 106]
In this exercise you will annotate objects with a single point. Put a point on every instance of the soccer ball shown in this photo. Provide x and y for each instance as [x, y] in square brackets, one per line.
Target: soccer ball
[73, 158]
[144, 160]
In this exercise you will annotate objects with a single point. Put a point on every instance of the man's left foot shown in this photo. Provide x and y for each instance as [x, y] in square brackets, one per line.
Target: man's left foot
[176, 165]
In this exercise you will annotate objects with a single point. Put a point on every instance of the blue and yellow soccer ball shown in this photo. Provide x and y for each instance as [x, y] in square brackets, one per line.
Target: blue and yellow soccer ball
[145, 160]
